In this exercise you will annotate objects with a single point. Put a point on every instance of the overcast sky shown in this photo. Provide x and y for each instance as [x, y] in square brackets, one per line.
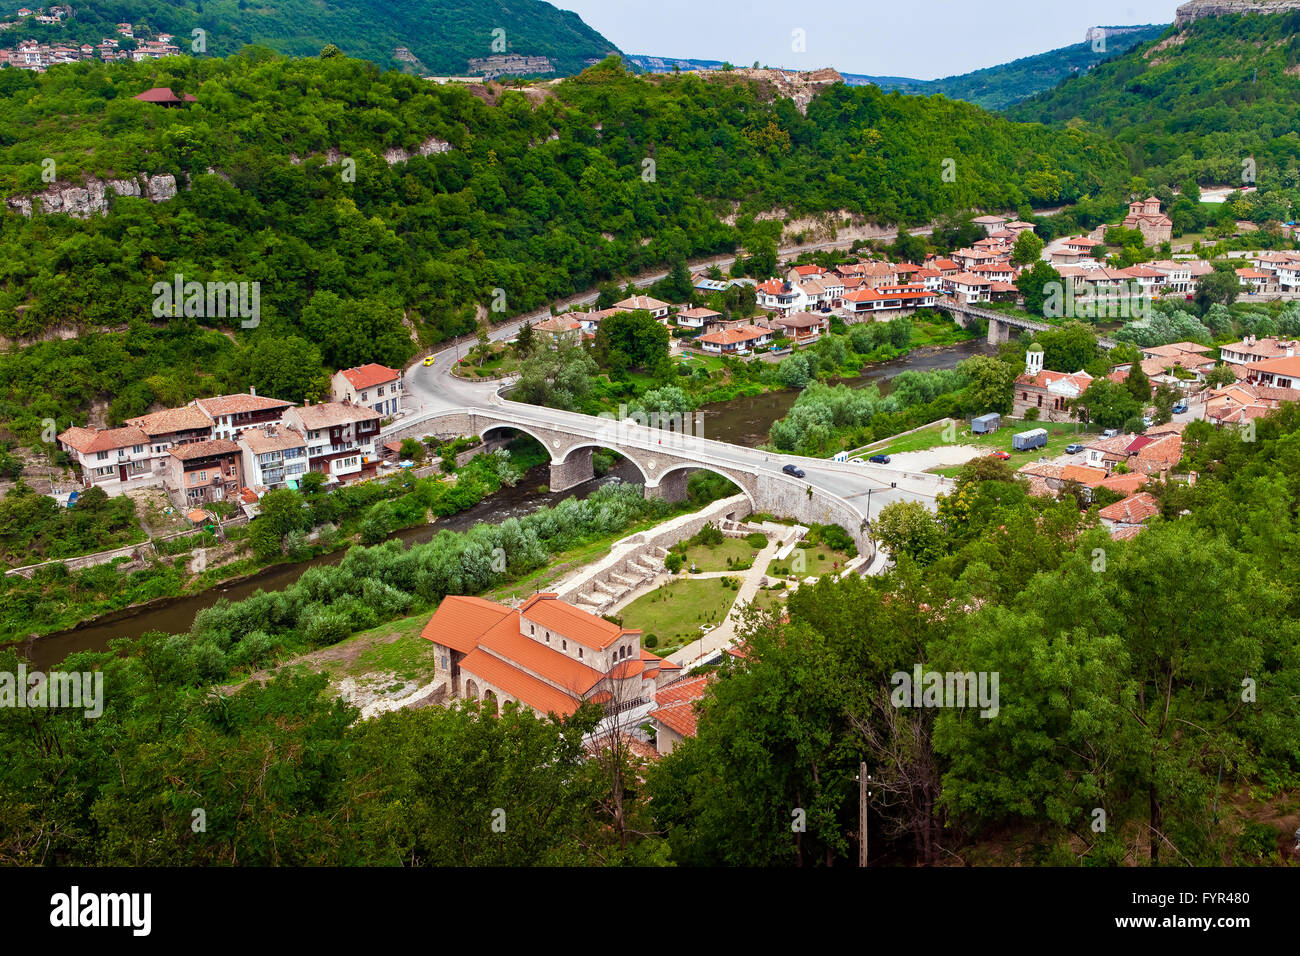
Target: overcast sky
[925, 39]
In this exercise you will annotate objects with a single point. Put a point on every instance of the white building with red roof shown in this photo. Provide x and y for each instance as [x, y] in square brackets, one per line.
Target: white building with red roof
[340, 439]
[113, 459]
[546, 655]
[375, 386]
[736, 340]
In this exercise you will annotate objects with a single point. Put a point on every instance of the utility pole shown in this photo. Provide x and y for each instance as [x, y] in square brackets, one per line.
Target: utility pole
[864, 780]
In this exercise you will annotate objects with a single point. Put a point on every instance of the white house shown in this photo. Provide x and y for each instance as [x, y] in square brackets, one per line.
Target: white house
[340, 438]
[375, 386]
[273, 457]
[114, 459]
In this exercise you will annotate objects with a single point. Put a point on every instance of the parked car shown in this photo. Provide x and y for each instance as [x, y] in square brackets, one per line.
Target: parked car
[1002, 455]
[1147, 421]
[879, 459]
[1073, 449]
[1180, 407]
[1110, 433]
[792, 470]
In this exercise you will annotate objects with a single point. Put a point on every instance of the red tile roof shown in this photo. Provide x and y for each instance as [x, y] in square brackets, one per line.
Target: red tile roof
[368, 376]
[204, 449]
[577, 625]
[90, 440]
[185, 418]
[460, 621]
[524, 687]
[1132, 510]
[237, 404]
[746, 333]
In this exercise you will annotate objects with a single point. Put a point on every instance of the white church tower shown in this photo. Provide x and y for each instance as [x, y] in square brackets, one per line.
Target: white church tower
[1034, 359]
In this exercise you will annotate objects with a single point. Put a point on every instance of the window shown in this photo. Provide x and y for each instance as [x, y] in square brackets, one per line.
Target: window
[101, 456]
[564, 645]
[532, 628]
[580, 653]
[136, 449]
[380, 391]
[203, 476]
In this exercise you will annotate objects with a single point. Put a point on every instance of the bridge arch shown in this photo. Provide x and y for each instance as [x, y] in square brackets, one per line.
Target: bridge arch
[585, 447]
[672, 481]
[548, 444]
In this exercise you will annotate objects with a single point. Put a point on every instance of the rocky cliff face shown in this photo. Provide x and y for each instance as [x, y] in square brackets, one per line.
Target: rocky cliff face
[791, 84]
[93, 197]
[1195, 9]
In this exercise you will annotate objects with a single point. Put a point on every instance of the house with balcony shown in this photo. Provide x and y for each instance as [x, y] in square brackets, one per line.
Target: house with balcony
[229, 413]
[273, 457]
[171, 427]
[200, 473]
[375, 386]
[1255, 349]
[546, 655]
[340, 439]
[802, 327]
[776, 295]
[697, 318]
[114, 459]
[886, 302]
[968, 288]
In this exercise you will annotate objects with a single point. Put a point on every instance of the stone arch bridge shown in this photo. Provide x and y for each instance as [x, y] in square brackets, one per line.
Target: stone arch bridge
[664, 458]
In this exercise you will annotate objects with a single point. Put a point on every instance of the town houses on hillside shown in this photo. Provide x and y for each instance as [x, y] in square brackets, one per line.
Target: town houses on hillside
[35, 55]
[217, 448]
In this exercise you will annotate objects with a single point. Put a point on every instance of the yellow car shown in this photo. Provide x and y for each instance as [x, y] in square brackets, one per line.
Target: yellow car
[429, 360]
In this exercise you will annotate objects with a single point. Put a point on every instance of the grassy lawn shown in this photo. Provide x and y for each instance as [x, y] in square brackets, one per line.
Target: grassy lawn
[765, 599]
[938, 333]
[674, 612]
[818, 560]
[714, 557]
[1059, 434]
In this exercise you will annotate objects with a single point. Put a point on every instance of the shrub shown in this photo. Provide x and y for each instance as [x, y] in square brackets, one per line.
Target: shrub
[757, 540]
[1031, 414]
[674, 561]
[650, 642]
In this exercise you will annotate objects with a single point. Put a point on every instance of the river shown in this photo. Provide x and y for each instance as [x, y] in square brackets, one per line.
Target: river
[741, 421]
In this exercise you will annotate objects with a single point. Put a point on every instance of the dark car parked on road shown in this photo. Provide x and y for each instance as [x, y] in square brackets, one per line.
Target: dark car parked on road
[879, 459]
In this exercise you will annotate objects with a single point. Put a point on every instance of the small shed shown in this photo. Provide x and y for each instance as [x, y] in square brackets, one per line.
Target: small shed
[986, 423]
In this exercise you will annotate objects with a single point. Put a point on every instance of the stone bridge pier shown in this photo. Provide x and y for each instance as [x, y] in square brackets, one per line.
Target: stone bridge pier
[671, 487]
[573, 470]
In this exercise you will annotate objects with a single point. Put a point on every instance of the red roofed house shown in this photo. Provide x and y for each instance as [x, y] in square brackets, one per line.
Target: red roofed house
[230, 413]
[110, 458]
[655, 307]
[546, 655]
[675, 713]
[375, 386]
[887, 302]
[1133, 510]
[727, 341]
[204, 471]
[340, 439]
